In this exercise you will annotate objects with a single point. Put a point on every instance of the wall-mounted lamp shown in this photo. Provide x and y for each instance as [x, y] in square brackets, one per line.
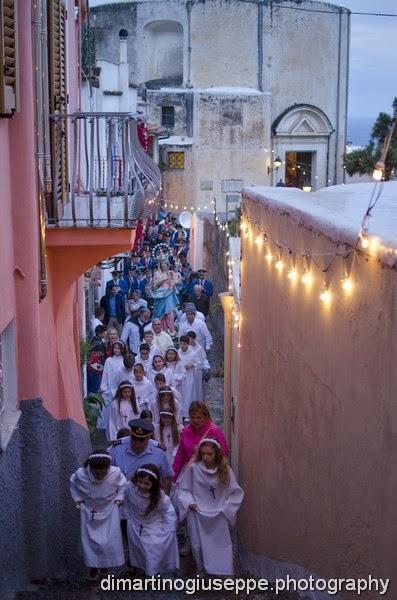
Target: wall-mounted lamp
[276, 165]
[307, 188]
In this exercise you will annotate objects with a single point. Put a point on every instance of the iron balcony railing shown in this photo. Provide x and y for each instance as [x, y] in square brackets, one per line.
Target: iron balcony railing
[113, 182]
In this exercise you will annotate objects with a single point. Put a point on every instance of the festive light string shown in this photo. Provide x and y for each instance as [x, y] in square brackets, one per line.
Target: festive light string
[284, 258]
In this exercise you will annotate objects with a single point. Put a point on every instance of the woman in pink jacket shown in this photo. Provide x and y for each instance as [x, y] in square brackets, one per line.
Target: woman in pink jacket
[200, 427]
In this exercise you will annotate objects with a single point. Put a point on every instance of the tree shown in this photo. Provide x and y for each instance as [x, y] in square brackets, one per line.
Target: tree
[363, 161]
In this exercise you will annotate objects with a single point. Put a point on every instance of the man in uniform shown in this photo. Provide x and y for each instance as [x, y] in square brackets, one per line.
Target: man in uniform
[130, 453]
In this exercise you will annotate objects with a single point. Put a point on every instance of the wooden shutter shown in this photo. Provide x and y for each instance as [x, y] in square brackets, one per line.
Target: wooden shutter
[58, 99]
[8, 57]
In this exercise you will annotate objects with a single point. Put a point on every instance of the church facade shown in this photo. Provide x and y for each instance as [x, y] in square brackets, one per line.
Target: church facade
[235, 85]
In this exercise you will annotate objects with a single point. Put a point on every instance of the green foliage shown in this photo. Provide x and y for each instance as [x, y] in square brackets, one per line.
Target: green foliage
[234, 224]
[85, 346]
[92, 406]
[363, 161]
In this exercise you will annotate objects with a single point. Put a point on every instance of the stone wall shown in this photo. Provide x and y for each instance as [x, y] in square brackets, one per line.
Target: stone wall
[39, 526]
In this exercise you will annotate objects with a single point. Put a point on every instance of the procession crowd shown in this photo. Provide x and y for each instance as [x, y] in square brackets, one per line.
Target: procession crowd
[166, 460]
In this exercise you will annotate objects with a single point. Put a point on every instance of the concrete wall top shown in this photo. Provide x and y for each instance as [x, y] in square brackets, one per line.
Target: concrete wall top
[337, 211]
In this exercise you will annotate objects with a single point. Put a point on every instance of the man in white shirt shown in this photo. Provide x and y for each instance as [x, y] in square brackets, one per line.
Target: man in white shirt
[130, 335]
[192, 323]
[161, 338]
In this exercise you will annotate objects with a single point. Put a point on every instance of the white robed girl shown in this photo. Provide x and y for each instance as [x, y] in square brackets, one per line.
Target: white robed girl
[142, 386]
[188, 360]
[98, 491]
[110, 380]
[165, 399]
[123, 408]
[176, 371]
[209, 498]
[201, 365]
[151, 523]
[167, 431]
[158, 366]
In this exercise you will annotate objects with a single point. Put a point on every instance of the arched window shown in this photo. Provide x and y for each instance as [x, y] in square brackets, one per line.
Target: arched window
[163, 42]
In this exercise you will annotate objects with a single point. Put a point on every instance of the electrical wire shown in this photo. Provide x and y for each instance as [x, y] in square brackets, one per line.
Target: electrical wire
[332, 12]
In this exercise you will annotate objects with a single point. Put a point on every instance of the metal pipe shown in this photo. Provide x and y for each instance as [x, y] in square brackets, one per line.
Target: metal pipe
[338, 97]
[74, 170]
[260, 46]
[109, 166]
[37, 12]
[91, 179]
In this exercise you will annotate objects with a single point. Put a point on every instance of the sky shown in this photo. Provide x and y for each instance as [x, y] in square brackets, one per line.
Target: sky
[373, 58]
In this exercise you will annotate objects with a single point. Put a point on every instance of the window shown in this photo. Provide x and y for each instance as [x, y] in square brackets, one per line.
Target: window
[9, 415]
[58, 99]
[168, 116]
[176, 160]
[8, 57]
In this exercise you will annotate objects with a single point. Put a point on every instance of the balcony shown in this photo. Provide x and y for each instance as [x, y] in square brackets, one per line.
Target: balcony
[100, 175]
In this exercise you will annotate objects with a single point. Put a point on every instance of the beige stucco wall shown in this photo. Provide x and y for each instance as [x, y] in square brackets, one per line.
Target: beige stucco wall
[317, 413]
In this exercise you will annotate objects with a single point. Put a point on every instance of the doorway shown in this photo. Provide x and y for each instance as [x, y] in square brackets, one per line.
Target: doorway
[298, 169]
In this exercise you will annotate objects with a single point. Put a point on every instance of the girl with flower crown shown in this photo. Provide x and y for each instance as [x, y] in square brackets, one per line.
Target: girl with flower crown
[209, 498]
[97, 489]
[151, 523]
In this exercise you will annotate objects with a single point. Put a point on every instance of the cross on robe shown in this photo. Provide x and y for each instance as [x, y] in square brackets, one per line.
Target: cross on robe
[125, 417]
[169, 437]
[140, 529]
[212, 490]
[93, 511]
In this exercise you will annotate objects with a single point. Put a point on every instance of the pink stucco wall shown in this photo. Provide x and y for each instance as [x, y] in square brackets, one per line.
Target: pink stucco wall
[317, 412]
[47, 344]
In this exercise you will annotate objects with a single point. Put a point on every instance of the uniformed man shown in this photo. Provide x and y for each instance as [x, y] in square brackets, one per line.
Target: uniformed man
[130, 453]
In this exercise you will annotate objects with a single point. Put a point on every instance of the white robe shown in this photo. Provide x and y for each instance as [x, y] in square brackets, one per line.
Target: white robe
[109, 383]
[154, 407]
[100, 519]
[152, 374]
[201, 363]
[176, 373]
[124, 374]
[167, 439]
[152, 543]
[131, 336]
[146, 364]
[187, 358]
[143, 391]
[118, 418]
[208, 527]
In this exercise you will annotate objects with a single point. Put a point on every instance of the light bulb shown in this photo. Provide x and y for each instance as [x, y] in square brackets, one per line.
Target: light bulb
[325, 295]
[307, 278]
[279, 265]
[379, 170]
[258, 240]
[292, 274]
[364, 242]
[269, 257]
[347, 284]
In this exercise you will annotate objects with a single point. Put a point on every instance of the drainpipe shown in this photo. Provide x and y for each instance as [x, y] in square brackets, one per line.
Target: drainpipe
[347, 82]
[338, 98]
[189, 6]
[40, 45]
[260, 46]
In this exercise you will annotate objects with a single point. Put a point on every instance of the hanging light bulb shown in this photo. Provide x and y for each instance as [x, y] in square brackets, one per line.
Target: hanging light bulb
[292, 274]
[364, 242]
[379, 170]
[279, 265]
[269, 257]
[347, 284]
[307, 278]
[325, 295]
[258, 240]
